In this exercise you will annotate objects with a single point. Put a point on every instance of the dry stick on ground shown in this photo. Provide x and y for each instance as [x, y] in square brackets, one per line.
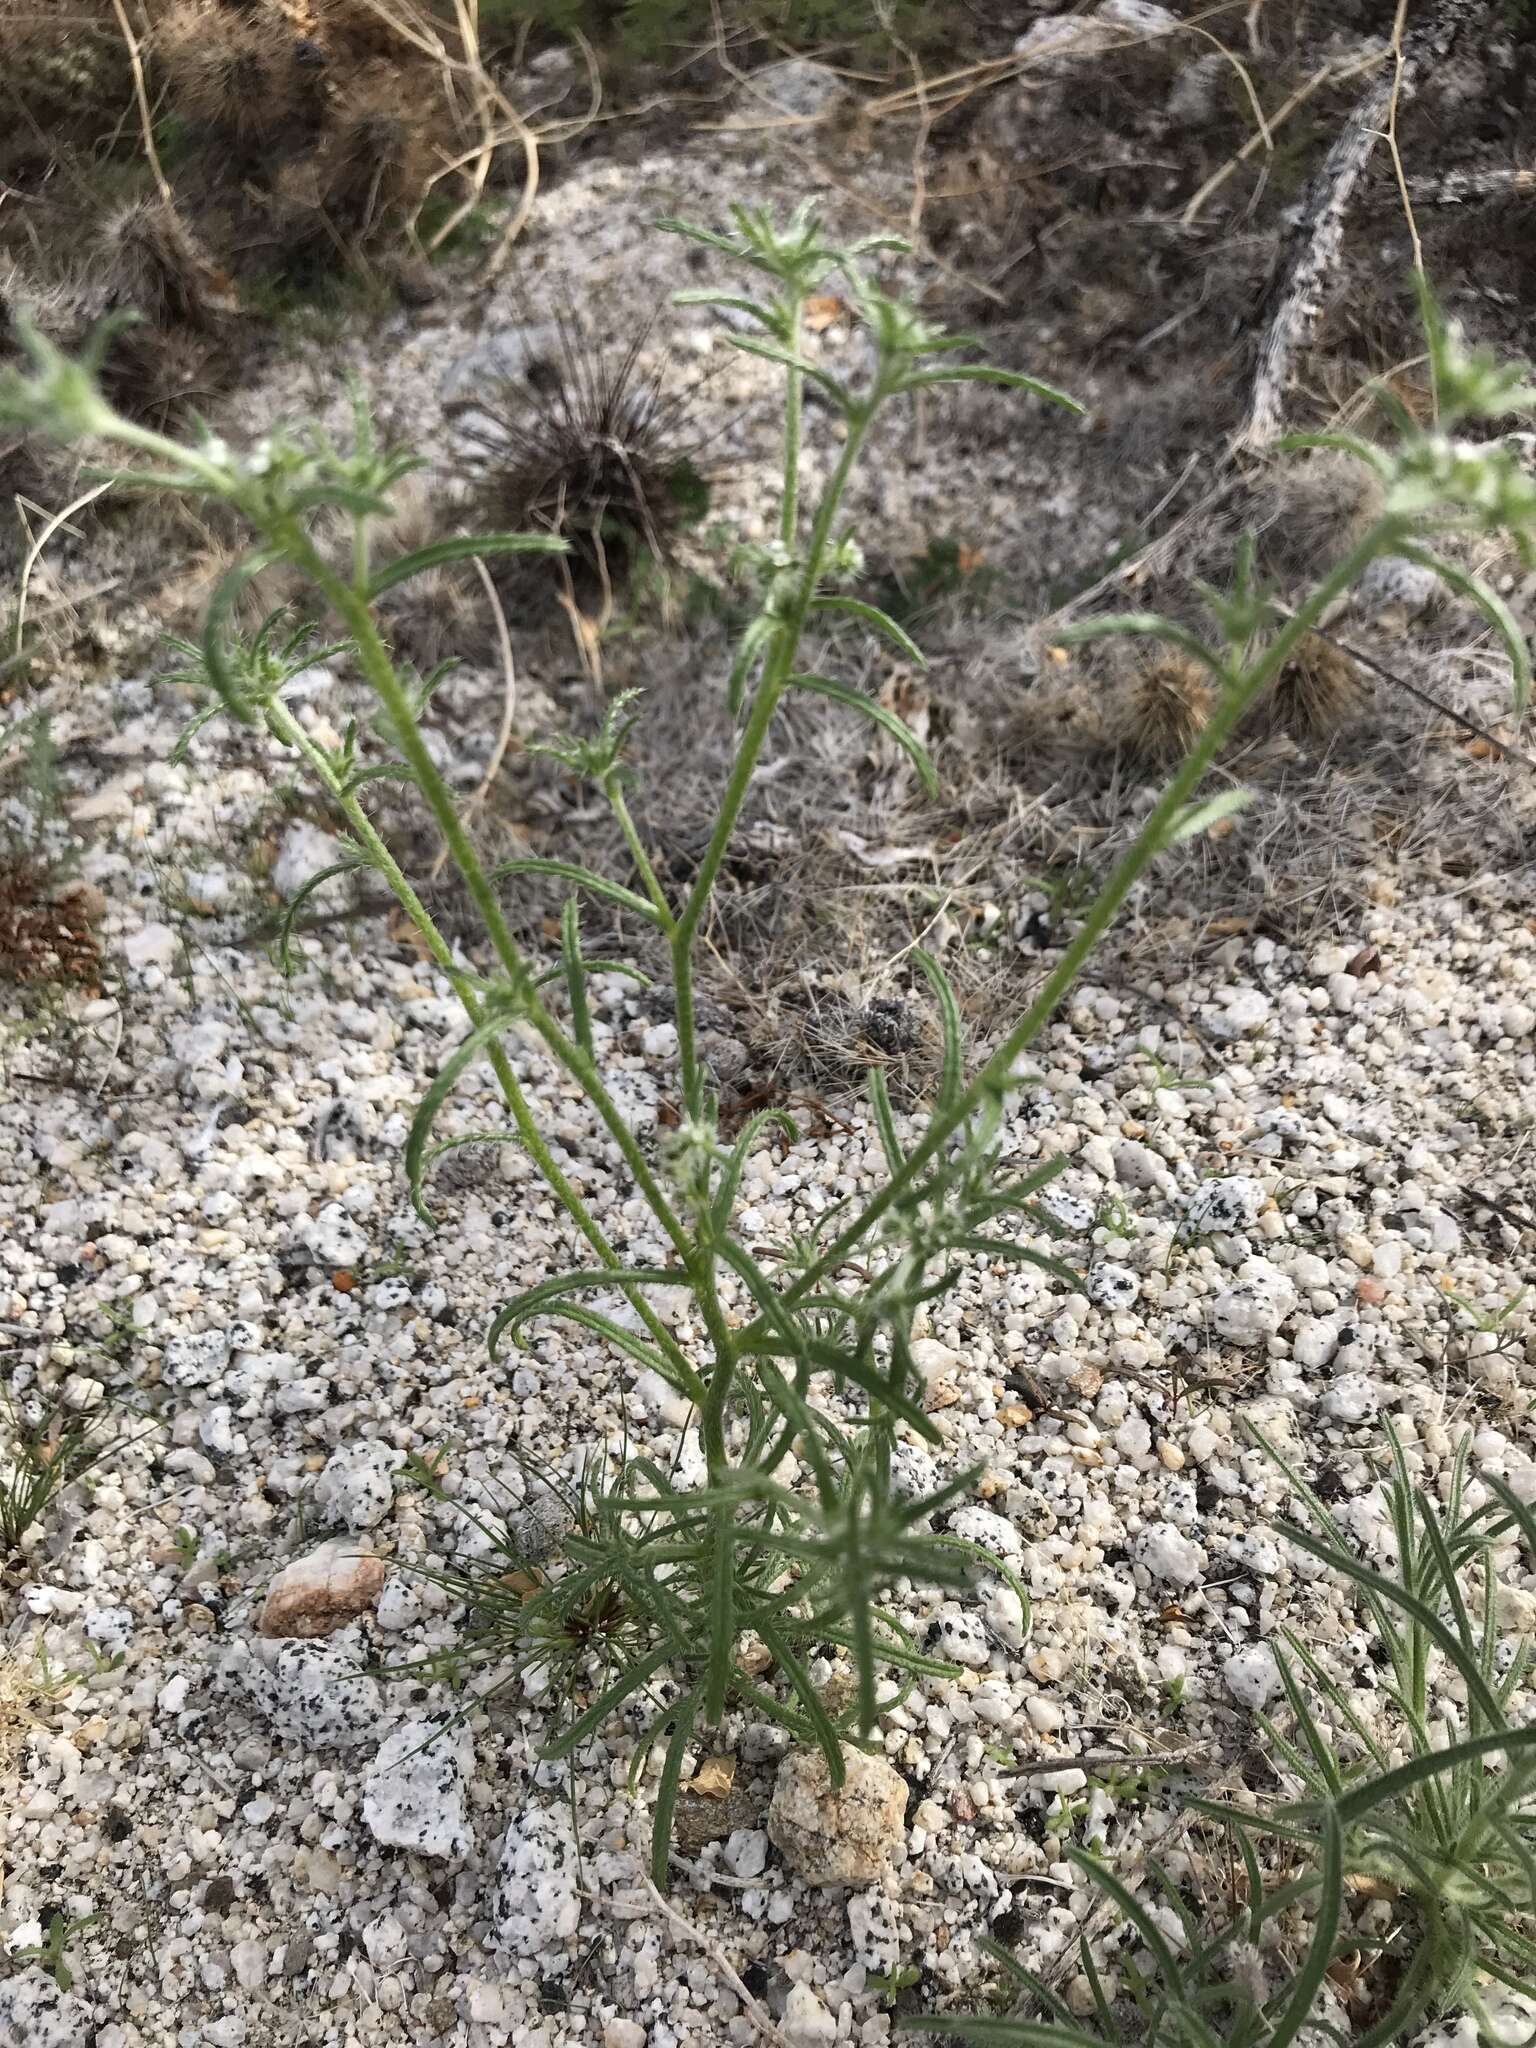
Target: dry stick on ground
[1312, 249]
[1457, 188]
[34, 553]
[1468, 725]
[717, 1956]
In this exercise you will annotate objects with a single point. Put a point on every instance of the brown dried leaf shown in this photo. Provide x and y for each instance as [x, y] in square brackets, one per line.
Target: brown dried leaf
[714, 1777]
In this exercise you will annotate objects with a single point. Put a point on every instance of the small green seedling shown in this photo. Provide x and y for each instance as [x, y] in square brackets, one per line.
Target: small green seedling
[48, 1954]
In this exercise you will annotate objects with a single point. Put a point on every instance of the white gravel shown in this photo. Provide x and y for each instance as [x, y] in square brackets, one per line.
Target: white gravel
[206, 1216]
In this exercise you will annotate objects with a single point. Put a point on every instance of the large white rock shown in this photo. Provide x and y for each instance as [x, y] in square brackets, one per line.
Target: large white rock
[317, 1693]
[1170, 1555]
[875, 1930]
[35, 2013]
[414, 1793]
[1252, 1676]
[1252, 1309]
[838, 1835]
[535, 1910]
[807, 2022]
[357, 1485]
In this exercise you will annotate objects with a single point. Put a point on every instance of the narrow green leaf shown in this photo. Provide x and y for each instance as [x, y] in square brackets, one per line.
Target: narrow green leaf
[1340, 444]
[987, 373]
[827, 1740]
[877, 620]
[1196, 818]
[1151, 1934]
[575, 974]
[629, 1680]
[949, 1017]
[429, 685]
[683, 1715]
[667, 224]
[731, 1172]
[1361, 1801]
[1491, 605]
[226, 596]
[284, 943]
[732, 302]
[899, 730]
[320, 497]
[459, 548]
[463, 1056]
[1143, 626]
[756, 637]
[775, 352]
[1395, 1595]
[885, 1122]
[537, 1300]
[722, 1617]
[1308, 1981]
[381, 771]
[584, 878]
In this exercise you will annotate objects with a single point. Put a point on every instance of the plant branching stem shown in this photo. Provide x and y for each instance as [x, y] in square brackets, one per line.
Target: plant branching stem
[287, 729]
[997, 1073]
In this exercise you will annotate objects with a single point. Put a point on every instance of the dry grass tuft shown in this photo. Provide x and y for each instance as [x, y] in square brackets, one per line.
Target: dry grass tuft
[1166, 709]
[241, 71]
[47, 936]
[1317, 691]
[833, 1034]
[592, 447]
[1313, 509]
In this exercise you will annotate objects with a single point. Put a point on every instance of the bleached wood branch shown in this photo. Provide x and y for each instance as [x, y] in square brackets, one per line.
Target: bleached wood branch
[1312, 249]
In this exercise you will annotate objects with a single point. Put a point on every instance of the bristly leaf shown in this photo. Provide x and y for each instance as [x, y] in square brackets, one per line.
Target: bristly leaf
[900, 732]
[1196, 818]
[949, 1017]
[682, 1713]
[877, 620]
[500, 1019]
[1144, 626]
[987, 373]
[284, 944]
[575, 969]
[1493, 608]
[459, 548]
[220, 671]
[584, 878]
[775, 352]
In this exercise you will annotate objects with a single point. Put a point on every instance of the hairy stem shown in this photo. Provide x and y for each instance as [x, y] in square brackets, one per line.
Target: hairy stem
[997, 1073]
[387, 686]
[794, 399]
[765, 702]
[286, 728]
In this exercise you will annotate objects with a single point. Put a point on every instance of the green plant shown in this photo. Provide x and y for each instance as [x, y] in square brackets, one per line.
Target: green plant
[889, 1983]
[1488, 1321]
[1164, 1076]
[48, 1954]
[1431, 1810]
[815, 1358]
[37, 1461]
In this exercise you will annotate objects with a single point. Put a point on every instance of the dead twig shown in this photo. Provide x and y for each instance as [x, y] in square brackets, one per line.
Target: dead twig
[721, 1961]
[1468, 725]
[1312, 249]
